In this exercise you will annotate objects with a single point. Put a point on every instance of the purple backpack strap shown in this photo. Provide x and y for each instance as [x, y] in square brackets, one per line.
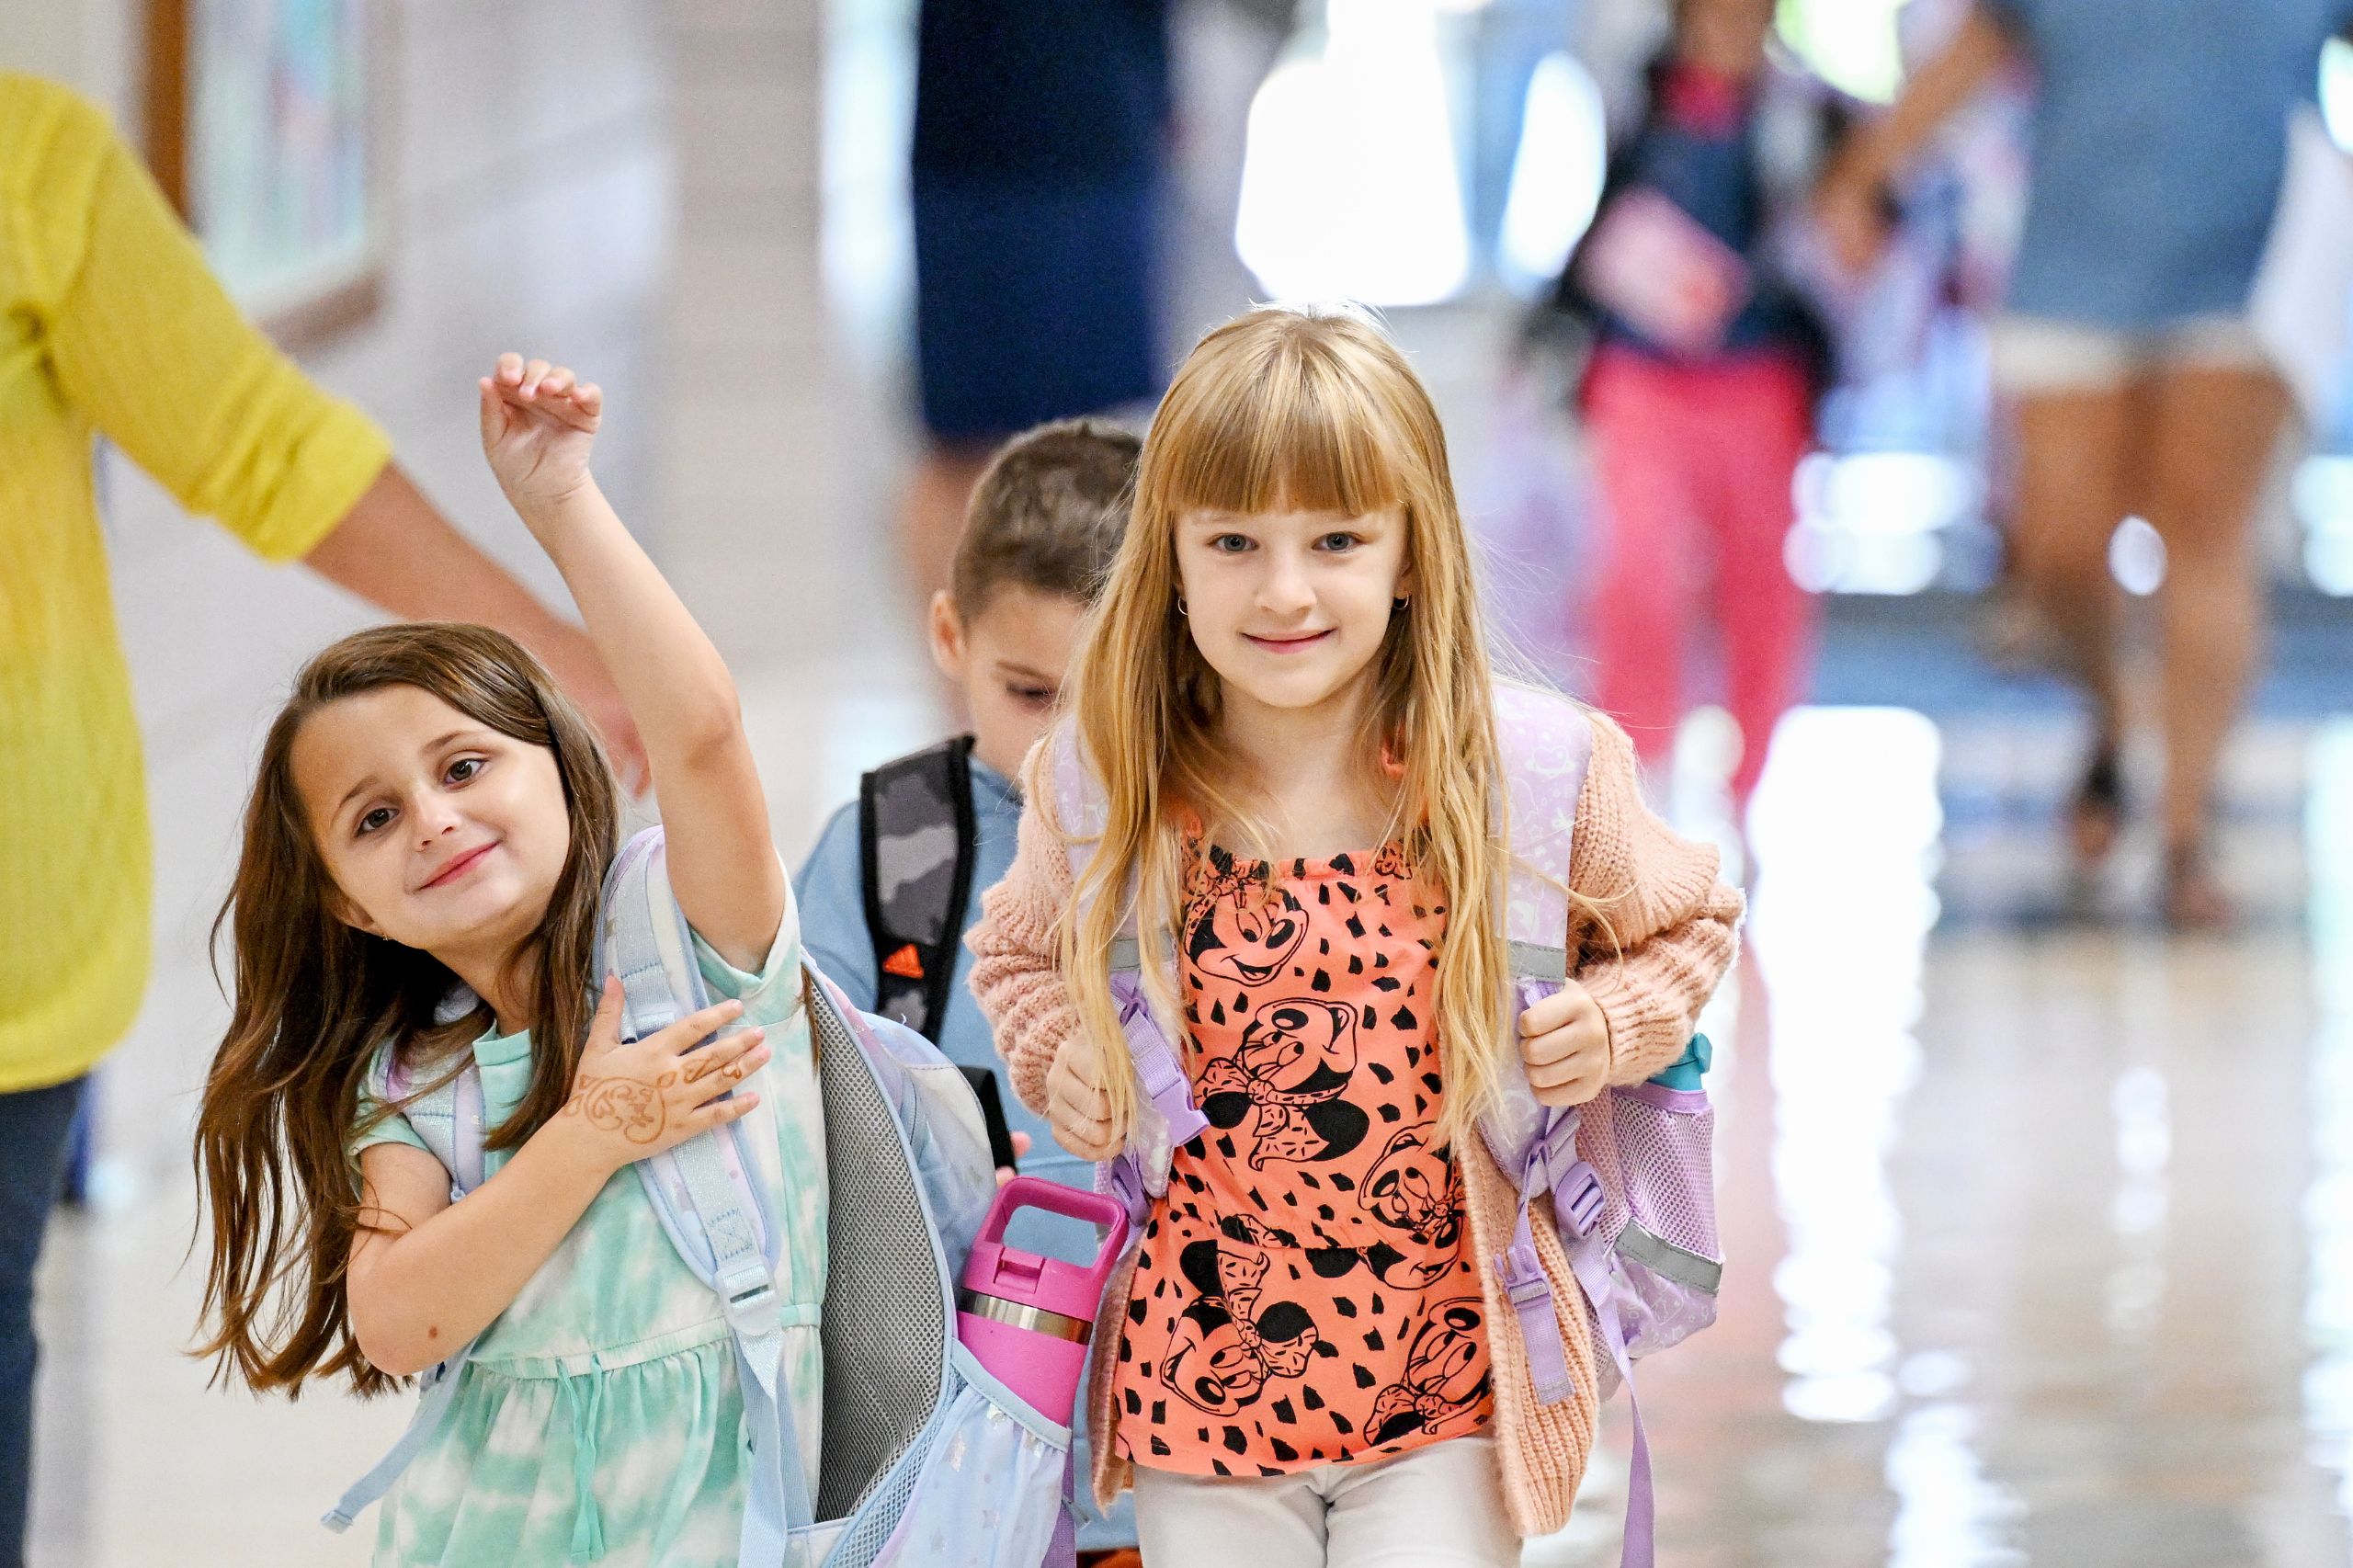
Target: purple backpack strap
[1140, 1172]
[1547, 746]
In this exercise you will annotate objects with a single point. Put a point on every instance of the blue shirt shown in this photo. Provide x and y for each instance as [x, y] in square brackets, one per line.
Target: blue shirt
[2158, 142]
[831, 893]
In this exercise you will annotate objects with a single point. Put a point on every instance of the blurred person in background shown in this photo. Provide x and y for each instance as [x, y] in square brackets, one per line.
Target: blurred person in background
[2157, 151]
[1039, 181]
[1708, 360]
[112, 324]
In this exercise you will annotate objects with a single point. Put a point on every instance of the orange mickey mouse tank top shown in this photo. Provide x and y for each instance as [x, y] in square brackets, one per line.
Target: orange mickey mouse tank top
[1306, 1293]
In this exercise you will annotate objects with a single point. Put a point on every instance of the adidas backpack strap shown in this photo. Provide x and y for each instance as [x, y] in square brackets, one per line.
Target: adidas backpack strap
[916, 838]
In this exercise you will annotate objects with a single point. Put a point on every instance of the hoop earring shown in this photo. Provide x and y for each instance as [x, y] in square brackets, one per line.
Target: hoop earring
[1180, 607]
[1397, 607]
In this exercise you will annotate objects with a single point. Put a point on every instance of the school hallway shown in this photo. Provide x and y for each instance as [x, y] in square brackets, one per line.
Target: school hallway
[2040, 1220]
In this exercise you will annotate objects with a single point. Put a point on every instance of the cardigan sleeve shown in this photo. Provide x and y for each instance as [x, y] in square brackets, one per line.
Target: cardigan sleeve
[145, 342]
[1653, 926]
[1016, 975]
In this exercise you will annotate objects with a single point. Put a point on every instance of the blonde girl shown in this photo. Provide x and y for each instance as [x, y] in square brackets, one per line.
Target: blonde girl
[1286, 698]
[417, 891]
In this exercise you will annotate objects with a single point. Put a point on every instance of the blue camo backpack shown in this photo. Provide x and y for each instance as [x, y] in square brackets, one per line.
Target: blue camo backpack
[920, 1442]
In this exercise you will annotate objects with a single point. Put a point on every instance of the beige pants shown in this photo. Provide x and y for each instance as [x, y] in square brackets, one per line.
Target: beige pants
[1439, 1505]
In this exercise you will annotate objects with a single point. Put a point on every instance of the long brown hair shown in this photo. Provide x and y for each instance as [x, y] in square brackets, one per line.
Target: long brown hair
[313, 1001]
[1312, 409]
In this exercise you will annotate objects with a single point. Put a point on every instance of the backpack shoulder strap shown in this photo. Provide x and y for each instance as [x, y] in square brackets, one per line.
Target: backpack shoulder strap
[917, 838]
[1546, 743]
[1170, 1116]
[705, 1190]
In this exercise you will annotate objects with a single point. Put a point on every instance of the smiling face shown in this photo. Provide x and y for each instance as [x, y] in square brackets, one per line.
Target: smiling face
[1290, 607]
[438, 832]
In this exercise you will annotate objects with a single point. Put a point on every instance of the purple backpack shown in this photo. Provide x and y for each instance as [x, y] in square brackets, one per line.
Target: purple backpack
[1631, 1172]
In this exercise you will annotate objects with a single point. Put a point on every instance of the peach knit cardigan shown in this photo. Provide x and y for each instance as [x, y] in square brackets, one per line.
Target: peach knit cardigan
[1673, 921]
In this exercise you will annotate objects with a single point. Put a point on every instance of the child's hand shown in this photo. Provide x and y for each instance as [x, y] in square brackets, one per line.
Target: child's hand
[1564, 1042]
[1078, 1107]
[639, 1098]
[538, 423]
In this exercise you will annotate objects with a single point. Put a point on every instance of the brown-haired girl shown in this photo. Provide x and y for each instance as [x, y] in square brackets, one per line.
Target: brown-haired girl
[423, 854]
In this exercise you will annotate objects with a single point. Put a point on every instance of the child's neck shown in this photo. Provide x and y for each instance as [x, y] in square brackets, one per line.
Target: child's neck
[1326, 794]
[488, 975]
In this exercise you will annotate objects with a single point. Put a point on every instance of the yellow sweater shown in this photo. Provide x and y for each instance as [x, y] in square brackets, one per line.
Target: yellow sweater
[110, 323]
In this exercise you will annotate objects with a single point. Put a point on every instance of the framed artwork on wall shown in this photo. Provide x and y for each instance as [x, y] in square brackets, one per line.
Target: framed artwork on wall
[266, 127]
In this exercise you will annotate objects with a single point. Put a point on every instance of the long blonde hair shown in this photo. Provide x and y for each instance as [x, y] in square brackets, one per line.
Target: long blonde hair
[1306, 409]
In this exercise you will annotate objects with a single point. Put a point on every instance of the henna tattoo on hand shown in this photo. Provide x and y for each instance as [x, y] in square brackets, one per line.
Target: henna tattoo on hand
[630, 1107]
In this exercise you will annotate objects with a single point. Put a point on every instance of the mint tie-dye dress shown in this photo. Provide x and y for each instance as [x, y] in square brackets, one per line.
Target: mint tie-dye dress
[599, 1419]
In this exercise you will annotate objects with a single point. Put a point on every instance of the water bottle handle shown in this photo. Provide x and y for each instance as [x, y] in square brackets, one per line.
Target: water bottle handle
[1071, 1203]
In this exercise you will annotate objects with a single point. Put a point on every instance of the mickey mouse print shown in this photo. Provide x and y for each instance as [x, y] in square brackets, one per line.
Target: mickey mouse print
[1307, 1295]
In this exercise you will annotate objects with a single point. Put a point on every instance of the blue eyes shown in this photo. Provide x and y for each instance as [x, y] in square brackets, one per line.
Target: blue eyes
[1335, 543]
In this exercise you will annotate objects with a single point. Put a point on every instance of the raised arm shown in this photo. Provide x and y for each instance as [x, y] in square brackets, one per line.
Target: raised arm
[537, 424]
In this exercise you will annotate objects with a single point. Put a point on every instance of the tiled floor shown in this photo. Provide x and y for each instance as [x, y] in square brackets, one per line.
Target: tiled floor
[2041, 1228]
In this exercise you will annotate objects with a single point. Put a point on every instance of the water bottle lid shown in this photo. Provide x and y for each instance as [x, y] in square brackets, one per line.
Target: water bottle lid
[1024, 1279]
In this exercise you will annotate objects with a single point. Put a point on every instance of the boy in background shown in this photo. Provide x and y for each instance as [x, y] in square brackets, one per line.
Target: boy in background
[897, 876]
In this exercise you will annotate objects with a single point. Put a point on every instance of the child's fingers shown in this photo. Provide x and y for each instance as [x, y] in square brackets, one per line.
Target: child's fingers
[719, 1113]
[494, 413]
[604, 1024]
[509, 371]
[696, 1028]
[725, 1057]
[723, 1078]
[590, 397]
[557, 382]
[533, 374]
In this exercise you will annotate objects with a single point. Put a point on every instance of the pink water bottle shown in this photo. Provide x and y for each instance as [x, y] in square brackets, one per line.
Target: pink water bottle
[1026, 1318]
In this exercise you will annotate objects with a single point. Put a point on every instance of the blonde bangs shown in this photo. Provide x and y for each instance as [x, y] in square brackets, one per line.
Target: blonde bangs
[1286, 422]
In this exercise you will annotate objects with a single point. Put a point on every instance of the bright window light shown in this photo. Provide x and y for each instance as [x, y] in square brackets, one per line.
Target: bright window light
[2321, 497]
[2337, 91]
[1349, 187]
[1852, 43]
[1556, 173]
[2136, 557]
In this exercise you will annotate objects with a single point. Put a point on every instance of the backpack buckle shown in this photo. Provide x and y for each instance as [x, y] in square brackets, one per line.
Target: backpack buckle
[1522, 1273]
[1578, 1200]
[756, 1313]
[1123, 1179]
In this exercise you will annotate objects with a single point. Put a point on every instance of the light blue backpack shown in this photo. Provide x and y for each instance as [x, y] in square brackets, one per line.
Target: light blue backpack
[921, 1445]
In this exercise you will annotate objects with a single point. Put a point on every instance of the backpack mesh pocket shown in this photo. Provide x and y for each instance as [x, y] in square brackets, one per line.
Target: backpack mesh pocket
[990, 1487]
[1669, 1254]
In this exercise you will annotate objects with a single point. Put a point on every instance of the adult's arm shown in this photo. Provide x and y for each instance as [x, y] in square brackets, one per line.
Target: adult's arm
[147, 344]
[395, 549]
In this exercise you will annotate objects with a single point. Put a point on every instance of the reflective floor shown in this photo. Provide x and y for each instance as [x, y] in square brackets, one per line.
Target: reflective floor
[2039, 1229]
